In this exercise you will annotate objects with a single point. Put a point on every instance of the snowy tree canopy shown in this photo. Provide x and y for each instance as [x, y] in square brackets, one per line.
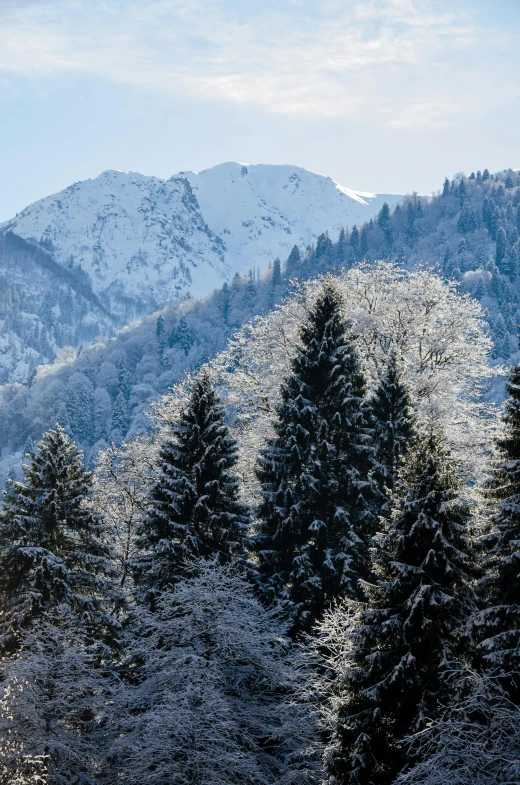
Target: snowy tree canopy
[438, 333]
[216, 698]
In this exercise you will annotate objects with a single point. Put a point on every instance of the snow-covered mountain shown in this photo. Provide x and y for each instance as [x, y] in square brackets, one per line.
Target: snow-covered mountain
[145, 241]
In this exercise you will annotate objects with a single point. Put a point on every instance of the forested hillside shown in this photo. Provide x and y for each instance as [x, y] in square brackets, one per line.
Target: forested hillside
[468, 233]
[43, 307]
[293, 578]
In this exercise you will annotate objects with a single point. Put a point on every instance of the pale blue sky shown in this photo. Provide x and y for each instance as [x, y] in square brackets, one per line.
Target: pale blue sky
[382, 95]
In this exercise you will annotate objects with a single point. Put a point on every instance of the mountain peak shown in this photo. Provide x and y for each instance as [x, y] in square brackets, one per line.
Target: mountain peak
[150, 240]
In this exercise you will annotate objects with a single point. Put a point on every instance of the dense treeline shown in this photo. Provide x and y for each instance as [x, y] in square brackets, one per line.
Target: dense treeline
[293, 581]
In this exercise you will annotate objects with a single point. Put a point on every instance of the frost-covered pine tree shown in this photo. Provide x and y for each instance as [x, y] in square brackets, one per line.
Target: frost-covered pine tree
[52, 550]
[390, 655]
[119, 424]
[497, 628]
[393, 428]
[316, 515]
[195, 507]
[216, 696]
[293, 262]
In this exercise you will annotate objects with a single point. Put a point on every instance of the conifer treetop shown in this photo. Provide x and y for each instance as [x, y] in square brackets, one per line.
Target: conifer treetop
[195, 511]
[52, 548]
[316, 511]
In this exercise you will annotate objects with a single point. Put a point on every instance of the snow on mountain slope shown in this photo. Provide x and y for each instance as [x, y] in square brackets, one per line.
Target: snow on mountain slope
[147, 241]
[261, 211]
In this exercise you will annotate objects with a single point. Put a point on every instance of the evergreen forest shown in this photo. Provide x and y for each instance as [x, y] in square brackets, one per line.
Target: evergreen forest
[272, 537]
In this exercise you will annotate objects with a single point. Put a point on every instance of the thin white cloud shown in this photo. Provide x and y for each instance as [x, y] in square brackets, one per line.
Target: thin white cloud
[393, 62]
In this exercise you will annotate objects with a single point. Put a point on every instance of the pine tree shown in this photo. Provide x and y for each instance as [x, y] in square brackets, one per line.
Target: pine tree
[341, 247]
[447, 262]
[324, 248]
[120, 420]
[354, 239]
[480, 289]
[160, 332]
[468, 221]
[183, 336]
[500, 338]
[446, 187]
[236, 283]
[251, 286]
[501, 246]
[393, 429]
[51, 551]
[225, 302]
[410, 223]
[195, 507]
[398, 646]
[293, 262]
[384, 221]
[276, 278]
[125, 382]
[498, 626]
[510, 263]
[316, 515]
[84, 425]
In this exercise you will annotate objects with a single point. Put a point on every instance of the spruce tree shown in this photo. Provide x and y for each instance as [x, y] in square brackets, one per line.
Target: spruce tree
[184, 336]
[498, 627]
[468, 220]
[125, 382]
[160, 332]
[316, 515]
[119, 425]
[354, 239]
[480, 289]
[393, 429]
[341, 247]
[293, 262]
[383, 218]
[195, 507]
[51, 550]
[276, 279]
[501, 248]
[398, 646]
